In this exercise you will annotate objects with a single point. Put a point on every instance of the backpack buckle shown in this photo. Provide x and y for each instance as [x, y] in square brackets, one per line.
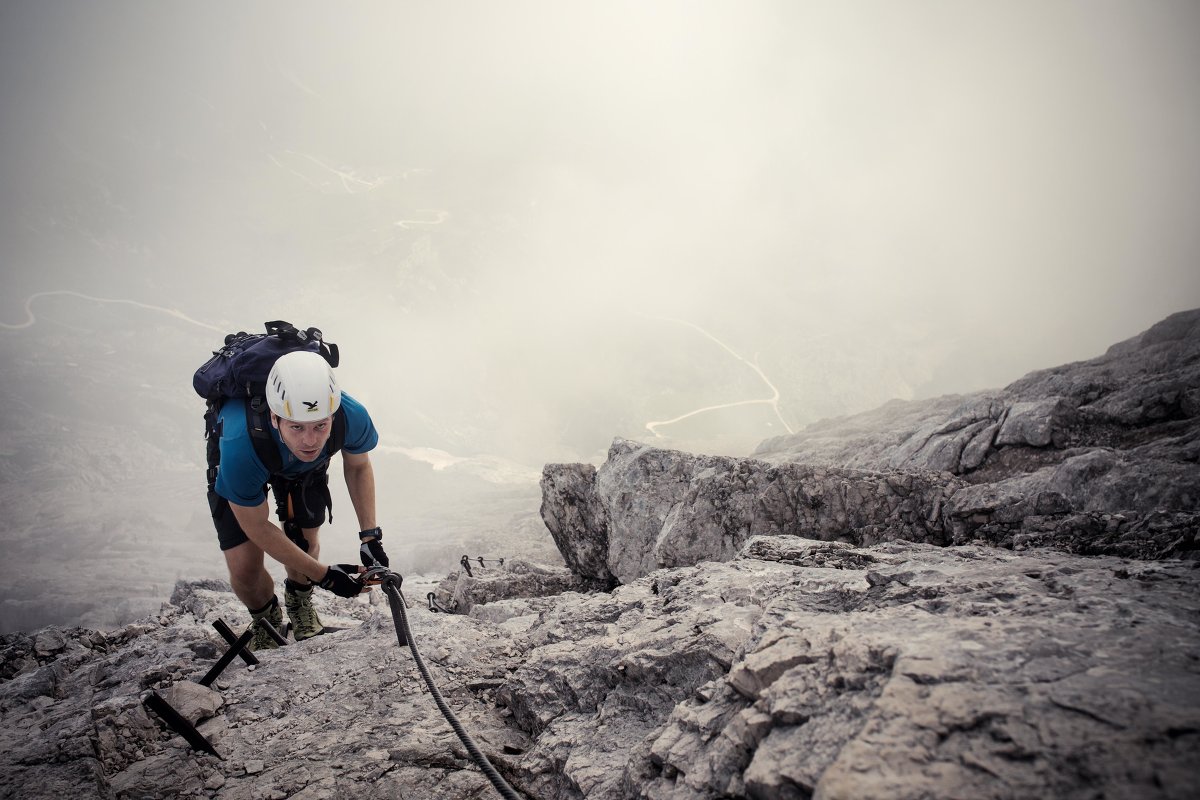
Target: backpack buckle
[284, 330]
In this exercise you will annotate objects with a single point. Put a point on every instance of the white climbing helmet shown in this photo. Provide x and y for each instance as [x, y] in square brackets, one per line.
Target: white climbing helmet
[302, 388]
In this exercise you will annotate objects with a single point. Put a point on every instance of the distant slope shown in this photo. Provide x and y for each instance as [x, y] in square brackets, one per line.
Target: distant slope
[1142, 396]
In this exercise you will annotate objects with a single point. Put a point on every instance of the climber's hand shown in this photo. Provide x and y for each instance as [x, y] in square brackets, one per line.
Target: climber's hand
[342, 580]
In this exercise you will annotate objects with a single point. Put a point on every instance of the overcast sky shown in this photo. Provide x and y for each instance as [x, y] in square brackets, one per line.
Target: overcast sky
[1014, 180]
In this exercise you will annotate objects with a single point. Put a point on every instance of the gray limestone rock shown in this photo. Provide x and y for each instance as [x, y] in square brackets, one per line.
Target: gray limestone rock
[1141, 390]
[638, 487]
[575, 518]
[664, 508]
[971, 670]
[327, 716]
[800, 667]
[193, 701]
[48, 642]
[1034, 422]
[462, 591]
[801, 552]
[975, 451]
[968, 673]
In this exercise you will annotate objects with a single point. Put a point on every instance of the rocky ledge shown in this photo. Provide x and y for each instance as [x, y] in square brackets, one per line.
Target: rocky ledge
[799, 668]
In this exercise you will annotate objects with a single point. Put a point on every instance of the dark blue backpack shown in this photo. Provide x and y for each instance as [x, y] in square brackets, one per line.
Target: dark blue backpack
[240, 369]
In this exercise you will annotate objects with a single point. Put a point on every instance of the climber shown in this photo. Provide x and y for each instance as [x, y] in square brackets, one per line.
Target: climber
[310, 420]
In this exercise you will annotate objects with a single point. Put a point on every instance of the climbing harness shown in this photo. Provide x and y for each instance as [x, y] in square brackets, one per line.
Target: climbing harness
[391, 586]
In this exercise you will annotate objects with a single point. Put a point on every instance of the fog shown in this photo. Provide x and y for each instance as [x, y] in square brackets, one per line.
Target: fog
[535, 226]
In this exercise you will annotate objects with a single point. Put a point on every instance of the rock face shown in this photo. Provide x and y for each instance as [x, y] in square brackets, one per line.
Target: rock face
[662, 508]
[742, 629]
[1100, 457]
[920, 677]
[800, 668]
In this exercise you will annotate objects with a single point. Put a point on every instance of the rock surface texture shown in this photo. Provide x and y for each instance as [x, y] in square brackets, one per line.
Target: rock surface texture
[823, 620]
[800, 668]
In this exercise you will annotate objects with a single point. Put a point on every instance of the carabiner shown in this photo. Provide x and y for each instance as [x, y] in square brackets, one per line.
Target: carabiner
[374, 576]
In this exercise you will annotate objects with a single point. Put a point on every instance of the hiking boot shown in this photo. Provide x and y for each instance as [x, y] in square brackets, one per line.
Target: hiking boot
[298, 599]
[274, 614]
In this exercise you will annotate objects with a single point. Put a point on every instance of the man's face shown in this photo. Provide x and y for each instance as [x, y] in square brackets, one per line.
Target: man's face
[304, 439]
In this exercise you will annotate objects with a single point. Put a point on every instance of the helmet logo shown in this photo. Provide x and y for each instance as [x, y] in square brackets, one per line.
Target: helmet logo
[310, 406]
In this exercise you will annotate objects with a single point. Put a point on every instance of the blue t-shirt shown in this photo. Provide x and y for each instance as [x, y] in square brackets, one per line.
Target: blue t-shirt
[242, 475]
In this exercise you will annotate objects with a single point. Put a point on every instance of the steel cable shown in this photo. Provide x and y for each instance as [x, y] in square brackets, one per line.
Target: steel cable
[391, 587]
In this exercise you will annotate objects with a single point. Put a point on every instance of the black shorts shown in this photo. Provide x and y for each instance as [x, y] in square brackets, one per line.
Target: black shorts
[299, 503]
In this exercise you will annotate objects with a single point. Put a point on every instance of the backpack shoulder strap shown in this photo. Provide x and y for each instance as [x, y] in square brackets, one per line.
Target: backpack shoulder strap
[337, 437]
[258, 425]
[212, 440]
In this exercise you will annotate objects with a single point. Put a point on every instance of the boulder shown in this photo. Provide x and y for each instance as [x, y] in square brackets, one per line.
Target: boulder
[575, 517]
[1034, 422]
[665, 508]
[193, 701]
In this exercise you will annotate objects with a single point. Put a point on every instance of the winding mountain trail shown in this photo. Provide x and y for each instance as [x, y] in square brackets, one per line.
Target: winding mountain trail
[350, 182]
[440, 217]
[30, 319]
[772, 401]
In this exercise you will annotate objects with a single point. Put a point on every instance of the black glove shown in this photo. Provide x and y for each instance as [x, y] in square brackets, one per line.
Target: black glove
[339, 581]
[371, 552]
